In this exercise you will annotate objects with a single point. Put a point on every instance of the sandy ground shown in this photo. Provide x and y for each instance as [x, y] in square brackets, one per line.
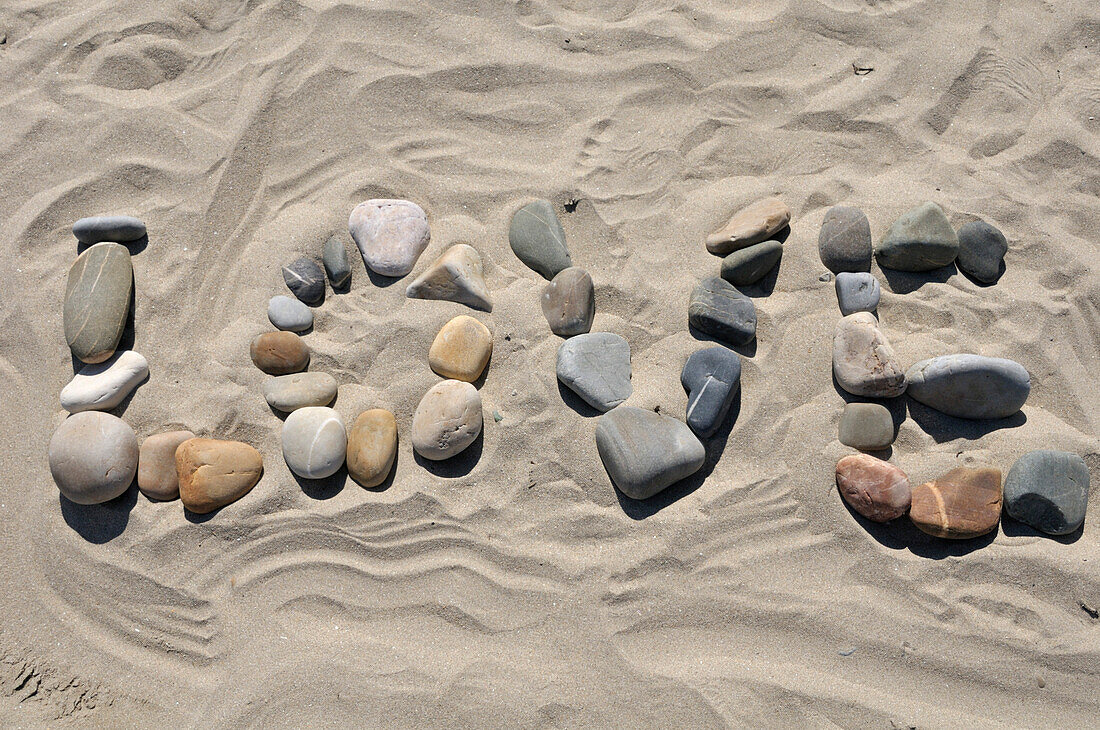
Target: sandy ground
[514, 587]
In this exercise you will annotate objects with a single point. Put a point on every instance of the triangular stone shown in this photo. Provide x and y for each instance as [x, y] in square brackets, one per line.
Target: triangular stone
[456, 276]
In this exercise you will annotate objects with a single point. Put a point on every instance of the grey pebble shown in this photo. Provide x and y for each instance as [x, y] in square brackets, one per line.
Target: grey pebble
[712, 379]
[844, 243]
[751, 264]
[1048, 490]
[970, 386]
[718, 309]
[857, 292]
[596, 366]
[538, 240]
[287, 313]
[305, 279]
[645, 452]
[982, 250]
[866, 426]
[335, 257]
[920, 240]
[117, 228]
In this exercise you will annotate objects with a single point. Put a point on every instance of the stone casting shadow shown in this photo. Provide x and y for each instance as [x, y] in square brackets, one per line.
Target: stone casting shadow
[197, 519]
[1015, 528]
[382, 281]
[326, 488]
[99, 523]
[942, 427]
[902, 534]
[388, 481]
[575, 402]
[746, 350]
[907, 282]
[125, 341]
[135, 247]
[985, 284]
[765, 286]
[458, 465]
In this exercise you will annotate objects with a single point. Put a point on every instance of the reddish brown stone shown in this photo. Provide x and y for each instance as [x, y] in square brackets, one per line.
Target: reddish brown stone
[876, 489]
[214, 473]
[963, 503]
[279, 353]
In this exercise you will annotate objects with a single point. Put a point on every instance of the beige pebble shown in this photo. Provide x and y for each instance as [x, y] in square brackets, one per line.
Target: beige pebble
[462, 349]
[372, 447]
[750, 225]
[157, 476]
[447, 420]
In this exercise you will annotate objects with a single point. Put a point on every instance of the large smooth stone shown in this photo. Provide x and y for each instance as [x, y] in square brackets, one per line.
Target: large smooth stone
[537, 238]
[569, 302]
[857, 292]
[372, 447]
[864, 363]
[719, 310]
[751, 264]
[287, 313]
[447, 420]
[305, 279]
[314, 442]
[288, 393]
[866, 426]
[844, 243]
[758, 222]
[970, 386]
[961, 504]
[456, 276]
[712, 378]
[1048, 490]
[103, 386]
[93, 457]
[279, 353]
[982, 250]
[213, 473]
[920, 240]
[596, 366]
[876, 489]
[461, 349]
[157, 476]
[390, 234]
[119, 228]
[335, 257]
[97, 300]
[645, 452]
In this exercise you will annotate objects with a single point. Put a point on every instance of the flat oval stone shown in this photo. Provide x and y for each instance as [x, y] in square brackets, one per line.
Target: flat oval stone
[844, 243]
[864, 363]
[305, 279]
[157, 477]
[712, 379]
[213, 473]
[288, 393]
[335, 257]
[103, 386]
[390, 234]
[970, 386]
[314, 442]
[596, 366]
[961, 504]
[758, 222]
[93, 457]
[456, 276]
[279, 353]
[287, 313]
[645, 452]
[982, 250]
[876, 489]
[447, 420]
[372, 447]
[462, 349]
[857, 292]
[97, 301]
[118, 228]
[1048, 490]
[866, 426]
[537, 238]
[719, 310]
[750, 264]
[569, 302]
[920, 240]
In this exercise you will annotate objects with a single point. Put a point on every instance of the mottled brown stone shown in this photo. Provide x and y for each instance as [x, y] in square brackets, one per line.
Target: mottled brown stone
[963, 503]
[279, 353]
[214, 473]
[462, 349]
[876, 489]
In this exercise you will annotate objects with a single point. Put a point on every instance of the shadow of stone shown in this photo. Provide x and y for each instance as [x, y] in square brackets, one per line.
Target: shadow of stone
[99, 523]
[326, 488]
[746, 350]
[382, 281]
[766, 285]
[1014, 528]
[135, 247]
[942, 427]
[575, 402]
[985, 284]
[458, 465]
[902, 534]
[907, 282]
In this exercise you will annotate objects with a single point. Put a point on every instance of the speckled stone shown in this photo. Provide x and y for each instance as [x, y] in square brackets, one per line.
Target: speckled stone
[749, 265]
[157, 477]
[390, 234]
[287, 313]
[645, 452]
[864, 363]
[982, 250]
[757, 222]
[97, 301]
[447, 420]
[596, 366]
[118, 228]
[314, 442]
[456, 276]
[844, 243]
[866, 426]
[279, 353]
[335, 257]
[461, 349]
[970, 386]
[962, 504]
[1048, 490]
[372, 447]
[213, 473]
[920, 240]
[718, 309]
[305, 279]
[874, 488]
[857, 292]
[538, 240]
[93, 457]
[569, 302]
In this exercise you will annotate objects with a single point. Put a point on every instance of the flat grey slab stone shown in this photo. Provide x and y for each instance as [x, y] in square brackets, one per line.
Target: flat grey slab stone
[645, 452]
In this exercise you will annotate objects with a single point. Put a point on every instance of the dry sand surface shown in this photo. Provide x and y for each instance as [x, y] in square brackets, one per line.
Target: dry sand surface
[513, 587]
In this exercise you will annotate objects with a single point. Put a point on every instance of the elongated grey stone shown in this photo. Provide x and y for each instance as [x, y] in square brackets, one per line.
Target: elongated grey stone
[920, 240]
[970, 386]
[537, 238]
[335, 257]
[119, 228]
[1048, 490]
[287, 313]
[751, 264]
[97, 300]
[596, 366]
[857, 292]
[645, 452]
[718, 309]
[712, 378]
[305, 280]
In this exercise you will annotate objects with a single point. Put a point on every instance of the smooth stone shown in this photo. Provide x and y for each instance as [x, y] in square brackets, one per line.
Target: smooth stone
[288, 393]
[857, 292]
[461, 349]
[961, 504]
[213, 473]
[103, 386]
[119, 228]
[970, 386]
[156, 476]
[596, 366]
[279, 353]
[1048, 490]
[456, 276]
[758, 222]
[372, 447]
[876, 489]
[844, 243]
[335, 257]
[537, 238]
[645, 452]
[864, 363]
[287, 313]
[447, 420]
[866, 426]
[569, 302]
[97, 301]
[390, 234]
[712, 379]
[982, 250]
[314, 442]
[920, 240]
[93, 457]
[718, 309]
[751, 264]
[305, 279]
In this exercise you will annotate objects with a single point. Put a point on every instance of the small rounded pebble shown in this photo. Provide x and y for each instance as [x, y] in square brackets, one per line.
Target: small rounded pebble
[214, 473]
[857, 292]
[876, 489]
[538, 240]
[372, 447]
[982, 250]
[288, 393]
[157, 477]
[305, 279]
[447, 420]
[103, 386]
[961, 504]
[93, 457]
[569, 302]
[287, 313]
[749, 265]
[1048, 490]
[314, 442]
[844, 243]
[866, 426]
[461, 349]
[118, 228]
[279, 353]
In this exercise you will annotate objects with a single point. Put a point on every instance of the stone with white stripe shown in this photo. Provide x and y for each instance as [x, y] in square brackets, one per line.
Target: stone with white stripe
[712, 379]
[305, 279]
[314, 442]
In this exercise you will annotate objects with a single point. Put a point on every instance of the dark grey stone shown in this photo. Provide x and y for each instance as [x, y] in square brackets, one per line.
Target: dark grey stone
[645, 452]
[712, 378]
[844, 243]
[596, 366]
[118, 228]
[749, 265]
[335, 256]
[970, 386]
[306, 280]
[982, 250]
[718, 309]
[287, 313]
[920, 240]
[97, 301]
[857, 292]
[538, 240]
[1048, 490]
[866, 426]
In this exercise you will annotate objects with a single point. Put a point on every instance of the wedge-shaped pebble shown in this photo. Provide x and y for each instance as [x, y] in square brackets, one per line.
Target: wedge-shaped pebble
[596, 366]
[538, 240]
[213, 473]
[157, 477]
[920, 240]
[103, 386]
[970, 386]
[97, 301]
[93, 457]
[718, 309]
[335, 257]
[645, 452]
[755, 223]
[456, 276]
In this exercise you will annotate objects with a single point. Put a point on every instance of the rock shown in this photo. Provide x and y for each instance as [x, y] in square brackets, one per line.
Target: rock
[93, 457]
[462, 349]
[447, 420]
[456, 276]
[876, 489]
[287, 313]
[982, 250]
[961, 504]
[712, 379]
[645, 452]
[288, 393]
[758, 222]
[921, 240]
[335, 257]
[213, 473]
[857, 292]
[569, 302]
[118, 228]
[596, 366]
[157, 477]
[1048, 490]
[844, 243]
[864, 363]
[390, 234]
[305, 279]
[751, 264]
[538, 240]
[97, 300]
[314, 442]
[970, 386]
[866, 426]
[103, 386]
[372, 447]
[279, 353]
[719, 310]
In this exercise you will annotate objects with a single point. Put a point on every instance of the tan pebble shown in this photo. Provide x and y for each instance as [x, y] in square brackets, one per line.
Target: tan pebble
[213, 473]
[876, 489]
[279, 353]
[462, 349]
[372, 446]
[447, 420]
[961, 504]
[157, 477]
[750, 225]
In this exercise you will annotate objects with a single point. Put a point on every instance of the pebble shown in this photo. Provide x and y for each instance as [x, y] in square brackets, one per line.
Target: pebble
[758, 222]
[876, 489]
[462, 349]
[390, 234]
[447, 420]
[279, 353]
[857, 292]
[982, 250]
[751, 264]
[213, 473]
[920, 240]
[596, 366]
[314, 442]
[120, 228]
[1048, 490]
[372, 447]
[288, 393]
[335, 257]
[156, 476]
[93, 457]
[970, 386]
[305, 279]
[456, 276]
[287, 313]
[864, 363]
[844, 243]
[97, 300]
[569, 302]
[102, 386]
[712, 378]
[866, 426]
[645, 452]
[961, 504]
[718, 309]
[537, 238]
